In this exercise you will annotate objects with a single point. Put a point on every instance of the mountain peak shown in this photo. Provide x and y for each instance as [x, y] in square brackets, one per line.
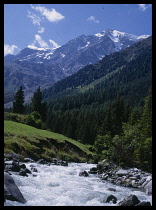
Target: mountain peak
[51, 65]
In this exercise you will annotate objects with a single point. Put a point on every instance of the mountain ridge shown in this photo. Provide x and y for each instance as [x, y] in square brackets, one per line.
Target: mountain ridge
[93, 74]
[50, 66]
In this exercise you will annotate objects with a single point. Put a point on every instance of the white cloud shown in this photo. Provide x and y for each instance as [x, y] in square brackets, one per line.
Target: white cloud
[32, 46]
[50, 14]
[143, 7]
[41, 30]
[92, 18]
[40, 41]
[40, 44]
[54, 44]
[9, 49]
[34, 18]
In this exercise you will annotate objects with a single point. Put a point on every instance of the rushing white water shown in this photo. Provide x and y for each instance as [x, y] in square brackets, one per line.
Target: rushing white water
[62, 186]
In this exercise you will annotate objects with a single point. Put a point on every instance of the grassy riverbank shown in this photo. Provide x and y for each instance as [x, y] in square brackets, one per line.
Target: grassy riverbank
[28, 141]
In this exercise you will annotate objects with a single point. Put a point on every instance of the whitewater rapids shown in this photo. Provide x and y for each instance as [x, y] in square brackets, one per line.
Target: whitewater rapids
[62, 186]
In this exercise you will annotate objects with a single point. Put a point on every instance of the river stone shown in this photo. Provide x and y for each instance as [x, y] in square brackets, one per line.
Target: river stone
[122, 172]
[93, 170]
[55, 161]
[26, 160]
[144, 203]
[130, 200]
[111, 198]
[12, 165]
[148, 188]
[111, 189]
[8, 162]
[102, 166]
[33, 169]
[63, 163]
[143, 179]
[148, 179]
[41, 161]
[22, 166]
[23, 173]
[11, 191]
[83, 173]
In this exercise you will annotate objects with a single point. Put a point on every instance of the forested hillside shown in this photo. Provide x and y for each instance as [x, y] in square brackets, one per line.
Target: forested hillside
[80, 103]
[121, 72]
[107, 105]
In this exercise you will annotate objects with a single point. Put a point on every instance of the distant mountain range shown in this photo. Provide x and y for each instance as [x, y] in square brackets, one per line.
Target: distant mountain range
[33, 67]
[84, 104]
[127, 73]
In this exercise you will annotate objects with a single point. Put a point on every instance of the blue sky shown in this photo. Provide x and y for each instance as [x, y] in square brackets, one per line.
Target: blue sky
[53, 25]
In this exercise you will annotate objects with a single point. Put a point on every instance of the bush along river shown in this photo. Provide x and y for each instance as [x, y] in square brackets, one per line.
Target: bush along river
[60, 183]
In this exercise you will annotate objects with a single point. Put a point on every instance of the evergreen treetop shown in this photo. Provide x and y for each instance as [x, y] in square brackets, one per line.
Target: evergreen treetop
[18, 104]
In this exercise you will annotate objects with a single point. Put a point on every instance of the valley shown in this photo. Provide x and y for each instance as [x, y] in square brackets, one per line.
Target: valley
[78, 104]
[98, 104]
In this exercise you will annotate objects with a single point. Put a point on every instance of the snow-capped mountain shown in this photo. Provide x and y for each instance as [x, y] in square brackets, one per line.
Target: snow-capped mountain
[46, 66]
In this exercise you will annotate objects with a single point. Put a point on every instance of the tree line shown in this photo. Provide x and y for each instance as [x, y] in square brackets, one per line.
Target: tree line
[116, 131]
[36, 110]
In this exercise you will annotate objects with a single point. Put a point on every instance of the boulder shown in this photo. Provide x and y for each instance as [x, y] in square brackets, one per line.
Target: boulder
[148, 188]
[102, 166]
[22, 166]
[130, 200]
[11, 191]
[93, 170]
[26, 160]
[144, 203]
[83, 173]
[63, 163]
[104, 177]
[33, 169]
[122, 172]
[142, 180]
[55, 161]
[111, 198]
[111, 189]
[23, 173]
[148, 179]
[12, 165]
[12, 156]
[41, 161]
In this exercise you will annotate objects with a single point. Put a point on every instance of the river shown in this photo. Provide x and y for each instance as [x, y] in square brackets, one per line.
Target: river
[62, 186]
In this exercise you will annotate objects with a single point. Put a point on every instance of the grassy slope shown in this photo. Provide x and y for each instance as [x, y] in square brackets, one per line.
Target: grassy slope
[32, 142]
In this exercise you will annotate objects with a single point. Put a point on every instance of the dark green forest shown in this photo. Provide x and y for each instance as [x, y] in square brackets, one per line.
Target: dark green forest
[107, 105]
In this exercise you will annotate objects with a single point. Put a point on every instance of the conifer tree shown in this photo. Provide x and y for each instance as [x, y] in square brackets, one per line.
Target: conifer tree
[146, 120]
[119, 114]
[18, 104]
[37, 104]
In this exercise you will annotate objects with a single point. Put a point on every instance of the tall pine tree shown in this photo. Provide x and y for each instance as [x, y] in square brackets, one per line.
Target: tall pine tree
[18, 104]
[146, 120]
[37, 105]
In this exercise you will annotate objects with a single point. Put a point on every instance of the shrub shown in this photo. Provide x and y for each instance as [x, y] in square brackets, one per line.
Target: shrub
[34, 119]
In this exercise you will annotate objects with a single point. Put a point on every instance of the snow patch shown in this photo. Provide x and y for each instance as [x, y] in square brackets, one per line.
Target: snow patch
[85, 45]
[47, 55]
[62, 55]
[143, 36]
[99, 34]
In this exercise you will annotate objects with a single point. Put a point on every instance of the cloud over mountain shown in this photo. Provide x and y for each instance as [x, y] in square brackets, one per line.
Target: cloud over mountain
[9, 49]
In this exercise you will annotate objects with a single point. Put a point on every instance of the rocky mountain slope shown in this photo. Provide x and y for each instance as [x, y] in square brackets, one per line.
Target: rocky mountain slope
[31, 68]
[121, 72]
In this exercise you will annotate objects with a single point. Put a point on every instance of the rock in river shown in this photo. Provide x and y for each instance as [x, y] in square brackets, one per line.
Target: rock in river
[11, 191]
[130, 200]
